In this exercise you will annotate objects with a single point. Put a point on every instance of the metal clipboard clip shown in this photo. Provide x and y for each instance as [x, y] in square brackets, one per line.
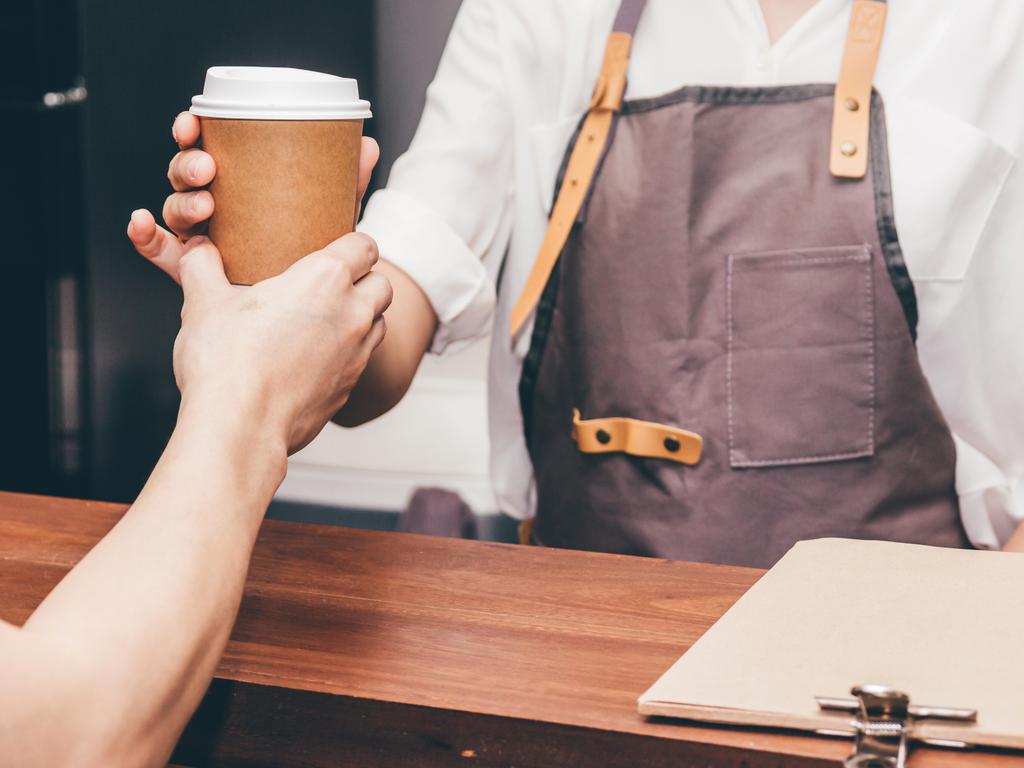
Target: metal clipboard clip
[883, 725]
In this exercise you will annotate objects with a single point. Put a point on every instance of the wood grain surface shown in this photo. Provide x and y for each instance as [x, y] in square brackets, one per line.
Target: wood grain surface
[357, 648]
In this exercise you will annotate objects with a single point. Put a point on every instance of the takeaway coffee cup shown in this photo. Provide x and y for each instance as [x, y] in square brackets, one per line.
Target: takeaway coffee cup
[286, 143]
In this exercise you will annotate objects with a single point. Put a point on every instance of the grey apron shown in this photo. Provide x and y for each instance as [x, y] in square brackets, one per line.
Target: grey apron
[720, 280]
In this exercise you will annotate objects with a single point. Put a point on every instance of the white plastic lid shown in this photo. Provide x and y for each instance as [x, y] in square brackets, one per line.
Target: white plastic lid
[278, 93]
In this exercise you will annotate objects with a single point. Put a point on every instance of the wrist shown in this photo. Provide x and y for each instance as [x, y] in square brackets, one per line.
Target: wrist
[242, 432]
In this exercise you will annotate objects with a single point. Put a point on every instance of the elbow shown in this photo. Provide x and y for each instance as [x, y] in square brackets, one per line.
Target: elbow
[69, 745]
[90, 743]
[104, 758]
[362, 409]
[77, 740]
[71, 718]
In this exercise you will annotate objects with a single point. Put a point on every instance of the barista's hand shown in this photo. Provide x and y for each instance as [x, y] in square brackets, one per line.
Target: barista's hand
[284, 353]
[188, 209]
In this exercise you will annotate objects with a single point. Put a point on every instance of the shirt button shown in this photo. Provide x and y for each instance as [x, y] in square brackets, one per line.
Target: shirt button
[762, 60]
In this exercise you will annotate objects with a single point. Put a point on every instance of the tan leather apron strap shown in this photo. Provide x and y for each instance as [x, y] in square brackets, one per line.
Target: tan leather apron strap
[579, 172]
[851, 117]
[636, 438]
[851, 128]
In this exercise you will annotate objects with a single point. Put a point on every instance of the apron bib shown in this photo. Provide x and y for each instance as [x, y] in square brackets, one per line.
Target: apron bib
[723, 361]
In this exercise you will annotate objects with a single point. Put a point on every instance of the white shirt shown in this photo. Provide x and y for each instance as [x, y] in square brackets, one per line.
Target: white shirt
[516, 76]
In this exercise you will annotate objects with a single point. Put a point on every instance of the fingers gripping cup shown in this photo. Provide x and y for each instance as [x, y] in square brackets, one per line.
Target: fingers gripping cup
[286, 143]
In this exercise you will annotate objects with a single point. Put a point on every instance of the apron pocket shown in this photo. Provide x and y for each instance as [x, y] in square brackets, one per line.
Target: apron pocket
[800, 374]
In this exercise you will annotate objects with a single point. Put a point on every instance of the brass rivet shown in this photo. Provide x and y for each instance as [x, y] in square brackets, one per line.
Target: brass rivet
[603, 437]
[852, 105]
[672, 444]
[848, 149]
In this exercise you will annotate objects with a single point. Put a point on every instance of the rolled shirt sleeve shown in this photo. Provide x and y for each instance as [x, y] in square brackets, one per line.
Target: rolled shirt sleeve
[445, 215]
[966, 255]
[979, 383]
[991, 504]
[972, 352]
[411, 236]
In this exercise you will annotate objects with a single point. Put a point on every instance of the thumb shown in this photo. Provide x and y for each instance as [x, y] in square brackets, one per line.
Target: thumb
[200, 270]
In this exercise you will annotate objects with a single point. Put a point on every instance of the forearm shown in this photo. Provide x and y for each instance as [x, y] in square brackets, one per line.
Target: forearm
[143, 619]
[1016, 541]
[411, 323]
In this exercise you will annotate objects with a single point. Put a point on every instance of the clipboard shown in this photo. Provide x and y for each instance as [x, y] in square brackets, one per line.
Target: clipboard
[890, 644]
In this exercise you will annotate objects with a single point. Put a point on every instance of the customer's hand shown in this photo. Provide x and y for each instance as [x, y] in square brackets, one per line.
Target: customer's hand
[188, 209]
[286, 352]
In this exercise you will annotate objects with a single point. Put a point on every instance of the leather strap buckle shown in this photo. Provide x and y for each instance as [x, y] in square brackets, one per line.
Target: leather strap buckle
[647, 439]
[611, 83]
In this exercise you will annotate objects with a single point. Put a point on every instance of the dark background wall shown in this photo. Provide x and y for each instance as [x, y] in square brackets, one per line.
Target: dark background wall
[409, 36]
[143, 61]
[42, 417]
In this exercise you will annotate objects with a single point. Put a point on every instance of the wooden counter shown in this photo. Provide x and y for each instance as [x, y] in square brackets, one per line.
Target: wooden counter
[367, 649]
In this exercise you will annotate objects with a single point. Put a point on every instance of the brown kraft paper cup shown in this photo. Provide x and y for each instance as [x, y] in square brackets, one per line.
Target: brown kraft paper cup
[283, 189]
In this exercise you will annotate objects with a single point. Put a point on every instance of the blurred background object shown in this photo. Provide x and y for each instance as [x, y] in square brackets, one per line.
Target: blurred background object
[90, 90]
[437, 512]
